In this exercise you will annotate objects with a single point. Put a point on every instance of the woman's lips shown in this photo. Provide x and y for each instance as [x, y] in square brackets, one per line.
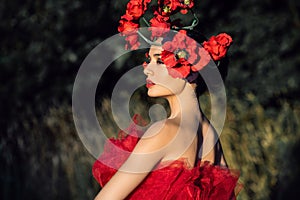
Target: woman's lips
[149, 83]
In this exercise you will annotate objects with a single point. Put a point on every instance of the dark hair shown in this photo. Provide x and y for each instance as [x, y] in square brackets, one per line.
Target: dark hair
[195, 77]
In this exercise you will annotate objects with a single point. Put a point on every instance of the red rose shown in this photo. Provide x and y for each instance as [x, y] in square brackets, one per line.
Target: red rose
[127, 27]
[135, 9]
[224, 39]
[218, 45]
[160, 22]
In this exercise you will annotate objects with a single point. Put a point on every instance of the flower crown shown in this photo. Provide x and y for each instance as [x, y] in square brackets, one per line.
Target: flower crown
[181, 54]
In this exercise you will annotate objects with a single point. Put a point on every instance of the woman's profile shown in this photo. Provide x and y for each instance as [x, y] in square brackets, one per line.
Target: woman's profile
[179, 157]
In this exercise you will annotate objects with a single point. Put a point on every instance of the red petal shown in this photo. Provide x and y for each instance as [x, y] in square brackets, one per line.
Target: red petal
[184, 70]
[184, 11]
[204, 60]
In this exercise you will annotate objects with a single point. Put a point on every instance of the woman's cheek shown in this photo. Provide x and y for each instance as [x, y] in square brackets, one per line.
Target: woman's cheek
[163, 78]
[174, 73]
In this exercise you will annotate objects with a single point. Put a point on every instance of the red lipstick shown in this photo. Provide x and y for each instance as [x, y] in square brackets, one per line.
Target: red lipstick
[149, 83]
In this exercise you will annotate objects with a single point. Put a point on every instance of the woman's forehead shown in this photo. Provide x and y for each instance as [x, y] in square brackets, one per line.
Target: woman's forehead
[155, 50]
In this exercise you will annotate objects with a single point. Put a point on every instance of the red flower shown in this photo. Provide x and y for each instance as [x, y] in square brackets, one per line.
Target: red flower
[185, 5]
[169, 6]
[127, 17]
[181, 53]
[218, 45]
[132, 42]
[145, 4]
[177, 68]
[160, 22]
[127, 27]
[129, 22]
[204, 60]
[168, 58]
[180, 72]
[135, 8]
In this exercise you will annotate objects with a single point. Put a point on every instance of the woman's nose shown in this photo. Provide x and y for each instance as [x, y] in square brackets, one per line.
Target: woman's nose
[147, 70]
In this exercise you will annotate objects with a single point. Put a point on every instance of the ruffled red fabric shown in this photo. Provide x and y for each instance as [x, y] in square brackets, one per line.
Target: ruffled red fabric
[170, 180]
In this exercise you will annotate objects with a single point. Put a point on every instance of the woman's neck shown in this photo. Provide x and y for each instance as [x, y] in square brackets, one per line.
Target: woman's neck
[184, 104]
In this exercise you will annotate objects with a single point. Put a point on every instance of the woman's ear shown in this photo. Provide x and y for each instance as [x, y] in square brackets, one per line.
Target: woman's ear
[194, 85]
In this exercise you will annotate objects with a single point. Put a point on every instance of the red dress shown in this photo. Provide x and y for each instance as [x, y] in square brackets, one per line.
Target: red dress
[170, 181]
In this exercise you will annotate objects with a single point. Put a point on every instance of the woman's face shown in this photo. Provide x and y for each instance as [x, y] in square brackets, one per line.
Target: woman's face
[159, 82]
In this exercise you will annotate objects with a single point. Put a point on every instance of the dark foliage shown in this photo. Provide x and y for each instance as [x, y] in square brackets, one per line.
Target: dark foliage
[43, 44]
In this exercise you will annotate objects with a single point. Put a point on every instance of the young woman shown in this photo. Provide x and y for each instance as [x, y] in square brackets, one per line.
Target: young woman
[179, 157]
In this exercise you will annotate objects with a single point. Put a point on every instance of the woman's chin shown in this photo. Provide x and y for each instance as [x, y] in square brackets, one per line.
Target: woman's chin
[151, 93]
[154, 92]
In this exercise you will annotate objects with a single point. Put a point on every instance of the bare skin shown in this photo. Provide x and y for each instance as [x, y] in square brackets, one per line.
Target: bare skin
[170, 139]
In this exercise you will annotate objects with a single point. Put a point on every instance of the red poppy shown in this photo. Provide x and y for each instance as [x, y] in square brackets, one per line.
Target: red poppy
[129, 22]
[172, 5]
[160, 22]
[218, 45]
[179, 72]
[182, 53]
[127, 27]
[179, 40]
[146, 2]
[132, 42]
[203, 61]
[179, 53]
[168, 58]
[177, 68]
[186, 3]
[135, 9]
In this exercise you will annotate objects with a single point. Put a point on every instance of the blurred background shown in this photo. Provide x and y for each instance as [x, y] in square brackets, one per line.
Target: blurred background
[43, 44]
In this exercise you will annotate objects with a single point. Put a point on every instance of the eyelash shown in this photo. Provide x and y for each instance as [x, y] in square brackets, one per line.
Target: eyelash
[159, 61]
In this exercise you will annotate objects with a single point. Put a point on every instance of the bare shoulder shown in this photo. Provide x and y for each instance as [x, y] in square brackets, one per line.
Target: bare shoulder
[157, 135]
[162, 128]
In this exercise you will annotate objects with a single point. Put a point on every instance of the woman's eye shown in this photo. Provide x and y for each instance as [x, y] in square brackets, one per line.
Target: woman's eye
[159, 61]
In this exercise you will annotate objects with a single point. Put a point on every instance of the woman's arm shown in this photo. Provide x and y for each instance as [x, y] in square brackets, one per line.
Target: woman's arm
[120, 186]
[145, 156]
